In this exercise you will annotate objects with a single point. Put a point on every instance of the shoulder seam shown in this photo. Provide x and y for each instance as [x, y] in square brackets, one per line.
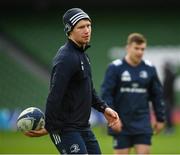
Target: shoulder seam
[148, 62]
[117, 62]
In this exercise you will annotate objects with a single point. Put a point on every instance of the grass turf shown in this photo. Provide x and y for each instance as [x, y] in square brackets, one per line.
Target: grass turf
[17, 143]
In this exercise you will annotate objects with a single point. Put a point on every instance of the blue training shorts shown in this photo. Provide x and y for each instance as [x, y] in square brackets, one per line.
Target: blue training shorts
[128, 141]
[76, 142]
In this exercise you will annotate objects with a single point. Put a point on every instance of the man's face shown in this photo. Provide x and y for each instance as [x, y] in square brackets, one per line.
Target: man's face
[136, 52]
[81, 33]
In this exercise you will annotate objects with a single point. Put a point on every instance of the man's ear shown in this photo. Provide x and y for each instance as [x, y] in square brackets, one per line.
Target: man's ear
[69, 34]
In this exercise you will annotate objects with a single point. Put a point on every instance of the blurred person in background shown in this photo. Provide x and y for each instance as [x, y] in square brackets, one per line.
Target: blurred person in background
[129, 84]
[169, 95]
[72, 93]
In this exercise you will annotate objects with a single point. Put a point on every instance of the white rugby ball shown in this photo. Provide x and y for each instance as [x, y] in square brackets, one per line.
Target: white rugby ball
[30, 119]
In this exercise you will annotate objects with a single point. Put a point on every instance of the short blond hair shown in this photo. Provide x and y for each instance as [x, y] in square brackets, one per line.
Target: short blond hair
[137, 38]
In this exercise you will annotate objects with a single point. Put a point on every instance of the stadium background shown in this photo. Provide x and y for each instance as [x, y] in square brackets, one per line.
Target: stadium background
[31, 33]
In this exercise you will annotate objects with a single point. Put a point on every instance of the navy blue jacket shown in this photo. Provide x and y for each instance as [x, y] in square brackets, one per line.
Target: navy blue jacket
[128, 90]
[71, 93]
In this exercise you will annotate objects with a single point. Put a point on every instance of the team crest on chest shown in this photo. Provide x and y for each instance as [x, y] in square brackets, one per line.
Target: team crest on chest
[125, 76]
[143, 74]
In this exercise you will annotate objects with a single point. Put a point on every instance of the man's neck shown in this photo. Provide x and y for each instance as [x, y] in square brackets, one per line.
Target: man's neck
[83, 47]
[130, 61]
[78, 44]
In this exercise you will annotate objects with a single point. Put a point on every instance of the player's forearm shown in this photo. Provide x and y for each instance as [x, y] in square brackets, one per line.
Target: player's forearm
[98, 103]
[36, 133]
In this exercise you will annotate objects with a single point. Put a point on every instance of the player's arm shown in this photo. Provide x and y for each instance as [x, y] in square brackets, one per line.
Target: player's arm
[109, 85]
[111, 116]
[107, 91]
[59, 80]
[113, 119]
[62, 73]
[36, 133]
[156, 95]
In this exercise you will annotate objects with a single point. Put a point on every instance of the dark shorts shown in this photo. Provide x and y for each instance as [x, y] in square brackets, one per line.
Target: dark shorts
[128, 141]
[77, 142]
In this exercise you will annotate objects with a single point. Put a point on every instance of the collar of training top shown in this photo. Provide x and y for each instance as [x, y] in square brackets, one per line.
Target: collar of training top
[79, 48]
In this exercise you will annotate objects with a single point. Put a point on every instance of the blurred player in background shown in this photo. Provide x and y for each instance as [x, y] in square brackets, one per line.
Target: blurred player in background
[72, 93]
[169, 95]
[128, 86]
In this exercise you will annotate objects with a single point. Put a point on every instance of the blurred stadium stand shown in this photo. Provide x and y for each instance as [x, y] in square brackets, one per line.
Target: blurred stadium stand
[34, 29]
[48, 4]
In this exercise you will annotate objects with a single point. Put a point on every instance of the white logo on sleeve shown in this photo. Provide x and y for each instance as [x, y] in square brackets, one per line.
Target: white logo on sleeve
[74, 148]
[126, 76]
[88, 60]
[82, 65]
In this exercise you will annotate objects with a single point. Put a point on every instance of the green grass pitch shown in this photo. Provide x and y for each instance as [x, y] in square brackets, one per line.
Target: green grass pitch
[17, 143]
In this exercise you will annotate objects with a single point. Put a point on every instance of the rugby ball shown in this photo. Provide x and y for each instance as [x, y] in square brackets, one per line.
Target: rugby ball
[30, 119]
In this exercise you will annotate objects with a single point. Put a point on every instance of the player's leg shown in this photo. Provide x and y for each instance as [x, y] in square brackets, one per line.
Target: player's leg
[142, 149]
[69, 143]
[122, 144]
[169, 123]
[121, 151]
[142, 143]
[91, 142]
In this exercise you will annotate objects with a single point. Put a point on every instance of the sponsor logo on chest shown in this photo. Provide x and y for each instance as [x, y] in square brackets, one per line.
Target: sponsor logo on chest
[125, 76]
